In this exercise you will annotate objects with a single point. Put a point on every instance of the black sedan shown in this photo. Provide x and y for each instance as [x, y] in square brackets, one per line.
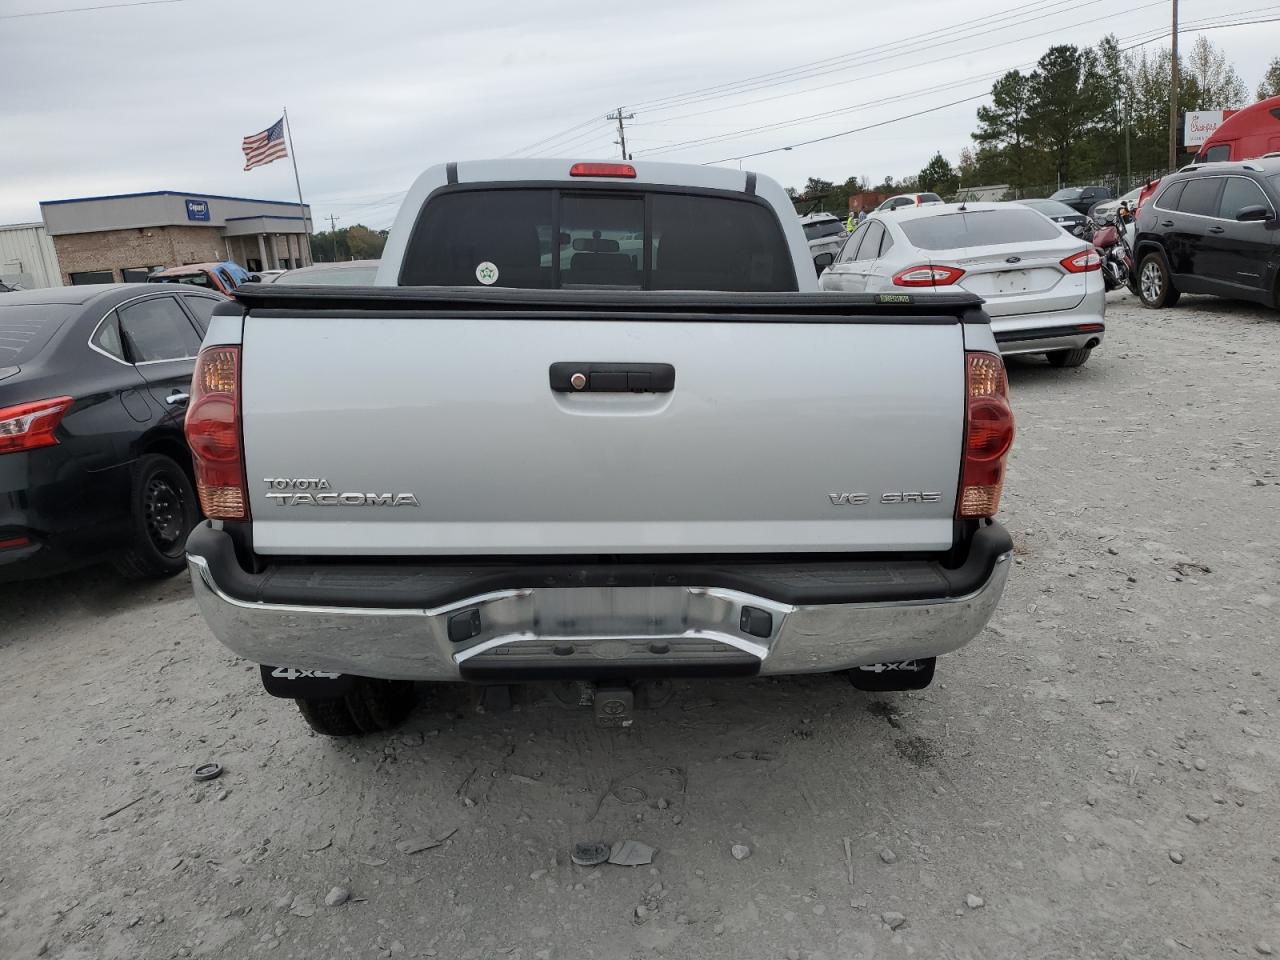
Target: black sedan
[1076, 224]
[94, 383]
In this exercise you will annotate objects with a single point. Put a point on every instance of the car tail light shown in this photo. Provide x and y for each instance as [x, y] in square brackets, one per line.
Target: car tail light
[988, 435]
[927, 275]
[11, 543]
[213, 434]
[29, 426]
[623, 170]
[1082, 262]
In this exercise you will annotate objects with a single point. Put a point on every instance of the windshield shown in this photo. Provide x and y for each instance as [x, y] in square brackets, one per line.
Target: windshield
[331, 275]
[817, 229]
[561, 239]
[979, 228]
[199, 279]
[1050, 208]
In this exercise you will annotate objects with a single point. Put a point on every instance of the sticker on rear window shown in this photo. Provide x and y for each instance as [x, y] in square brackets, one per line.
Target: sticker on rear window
[895, 298]
[487, 273]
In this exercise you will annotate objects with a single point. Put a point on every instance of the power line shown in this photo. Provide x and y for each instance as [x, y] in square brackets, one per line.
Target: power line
[909, 66]
[717, 138]
[918, 40]
[557, 136]
[105, 6]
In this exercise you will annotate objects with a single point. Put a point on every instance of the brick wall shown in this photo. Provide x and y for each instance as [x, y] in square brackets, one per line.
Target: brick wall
[115, 250]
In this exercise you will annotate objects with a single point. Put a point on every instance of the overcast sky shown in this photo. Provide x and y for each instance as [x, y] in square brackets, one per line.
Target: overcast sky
[158, 97]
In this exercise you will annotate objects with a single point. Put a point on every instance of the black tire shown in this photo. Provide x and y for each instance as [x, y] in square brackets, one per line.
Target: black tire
[162, 511]
[372, 706]
[882, 677]
[1155, 286]
[1069, 358]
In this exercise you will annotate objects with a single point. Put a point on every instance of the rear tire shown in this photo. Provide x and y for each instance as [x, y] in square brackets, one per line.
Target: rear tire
[882, 677]
[1069, 358]
[1155, 286]
[162, 511]
[372, 706]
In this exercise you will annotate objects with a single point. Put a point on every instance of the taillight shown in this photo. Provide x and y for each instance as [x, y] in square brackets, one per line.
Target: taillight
[29, 426]
[927, 275]
[1082, 262]
[988, 435]
[213, 434]
[624, 170]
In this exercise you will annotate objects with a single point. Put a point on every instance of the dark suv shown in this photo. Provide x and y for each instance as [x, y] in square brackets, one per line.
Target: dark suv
[1212, 228]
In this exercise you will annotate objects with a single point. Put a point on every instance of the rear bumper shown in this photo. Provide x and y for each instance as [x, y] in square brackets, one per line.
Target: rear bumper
[1081, 327]
[602, 620]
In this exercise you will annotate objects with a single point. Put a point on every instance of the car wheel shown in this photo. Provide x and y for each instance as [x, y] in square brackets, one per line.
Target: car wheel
[371, 706]
[1155, 288]
[895, 675]
[1069, 358]
[163, 511]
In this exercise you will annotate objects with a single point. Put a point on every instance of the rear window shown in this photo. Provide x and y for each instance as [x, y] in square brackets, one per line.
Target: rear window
[570, 239]
[817, 229]
[26, 328]
[979, 228]
[1067, 194]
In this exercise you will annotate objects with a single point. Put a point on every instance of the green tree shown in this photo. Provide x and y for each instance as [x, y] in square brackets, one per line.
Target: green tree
[938, 176]
[1066, 94]
[356, 242]
[1149, 107]
[1219, 86]
[1270, 85]
[1004, 128]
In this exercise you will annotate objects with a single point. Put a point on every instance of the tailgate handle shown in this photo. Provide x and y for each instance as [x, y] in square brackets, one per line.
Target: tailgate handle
[587, 377]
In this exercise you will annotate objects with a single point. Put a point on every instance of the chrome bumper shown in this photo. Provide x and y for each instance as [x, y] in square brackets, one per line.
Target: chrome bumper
[539, 631]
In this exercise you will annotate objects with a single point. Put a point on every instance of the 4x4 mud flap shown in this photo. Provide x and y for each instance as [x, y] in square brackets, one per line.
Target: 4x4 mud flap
[294, 683]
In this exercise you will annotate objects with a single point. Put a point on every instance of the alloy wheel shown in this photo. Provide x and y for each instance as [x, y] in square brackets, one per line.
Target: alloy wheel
[1152, 281]
[163, 513]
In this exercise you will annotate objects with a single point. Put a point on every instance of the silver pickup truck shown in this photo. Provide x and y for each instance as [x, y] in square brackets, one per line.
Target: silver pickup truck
[593, 422]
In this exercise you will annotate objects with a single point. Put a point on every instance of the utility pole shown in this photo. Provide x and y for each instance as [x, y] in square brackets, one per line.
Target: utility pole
[622, 131]
[1173, 92]
[333, 232]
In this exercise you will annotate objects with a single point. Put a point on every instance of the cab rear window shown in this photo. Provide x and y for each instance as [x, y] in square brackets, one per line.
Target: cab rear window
[584, 239]
[979, 228]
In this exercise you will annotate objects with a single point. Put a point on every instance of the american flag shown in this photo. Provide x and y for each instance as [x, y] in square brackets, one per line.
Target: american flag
[260, 148]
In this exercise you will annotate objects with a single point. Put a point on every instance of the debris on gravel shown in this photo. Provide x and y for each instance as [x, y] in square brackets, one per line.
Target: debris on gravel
[302, 906]
[740, 851]
[417, 845]
[1200, 763]
[973, 901]
[892, 919]
[1176, 856]
[337, 896]
[888, 856]
[590, 854]
[631, 853]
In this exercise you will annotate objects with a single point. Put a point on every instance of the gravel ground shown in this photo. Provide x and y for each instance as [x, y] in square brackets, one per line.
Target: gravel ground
[1095, 776]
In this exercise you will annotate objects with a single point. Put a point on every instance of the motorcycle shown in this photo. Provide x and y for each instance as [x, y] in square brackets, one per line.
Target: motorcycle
[1111, 240]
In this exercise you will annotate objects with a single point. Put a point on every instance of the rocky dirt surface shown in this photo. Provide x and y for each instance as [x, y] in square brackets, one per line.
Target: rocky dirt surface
[1095, 777]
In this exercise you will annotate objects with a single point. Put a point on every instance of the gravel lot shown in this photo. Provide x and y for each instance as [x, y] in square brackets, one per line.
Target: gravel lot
[1100, 768]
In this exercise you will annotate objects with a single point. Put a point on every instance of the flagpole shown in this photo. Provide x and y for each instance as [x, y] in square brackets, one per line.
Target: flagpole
[302, 209]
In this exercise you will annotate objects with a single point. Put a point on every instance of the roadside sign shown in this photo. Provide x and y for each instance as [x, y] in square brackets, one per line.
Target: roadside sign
[1198, 125]
[197, 209]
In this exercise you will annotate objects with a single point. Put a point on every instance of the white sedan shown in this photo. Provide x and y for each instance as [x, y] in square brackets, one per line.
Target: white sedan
[1042, 287]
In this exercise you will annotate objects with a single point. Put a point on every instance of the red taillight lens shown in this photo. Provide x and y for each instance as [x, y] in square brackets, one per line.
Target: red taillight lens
[988, 435]
[1082, 262]
[213, 433]
[13, 542]
[29, 426]
[624, 170]
[927, 275]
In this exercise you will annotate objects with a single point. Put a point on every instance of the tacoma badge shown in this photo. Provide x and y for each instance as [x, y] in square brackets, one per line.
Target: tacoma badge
[318, 492]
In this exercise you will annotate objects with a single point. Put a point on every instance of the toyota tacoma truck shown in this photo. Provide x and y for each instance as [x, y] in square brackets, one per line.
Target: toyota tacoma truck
[593, 422]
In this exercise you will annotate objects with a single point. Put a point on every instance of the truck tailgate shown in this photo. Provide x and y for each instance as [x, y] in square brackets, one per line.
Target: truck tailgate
[396, 431]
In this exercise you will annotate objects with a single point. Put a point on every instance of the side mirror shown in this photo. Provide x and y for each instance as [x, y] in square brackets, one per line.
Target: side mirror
[1253, 213]
[823, 260]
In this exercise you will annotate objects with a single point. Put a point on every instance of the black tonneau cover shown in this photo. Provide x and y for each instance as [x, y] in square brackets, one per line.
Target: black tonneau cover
[265, 300]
